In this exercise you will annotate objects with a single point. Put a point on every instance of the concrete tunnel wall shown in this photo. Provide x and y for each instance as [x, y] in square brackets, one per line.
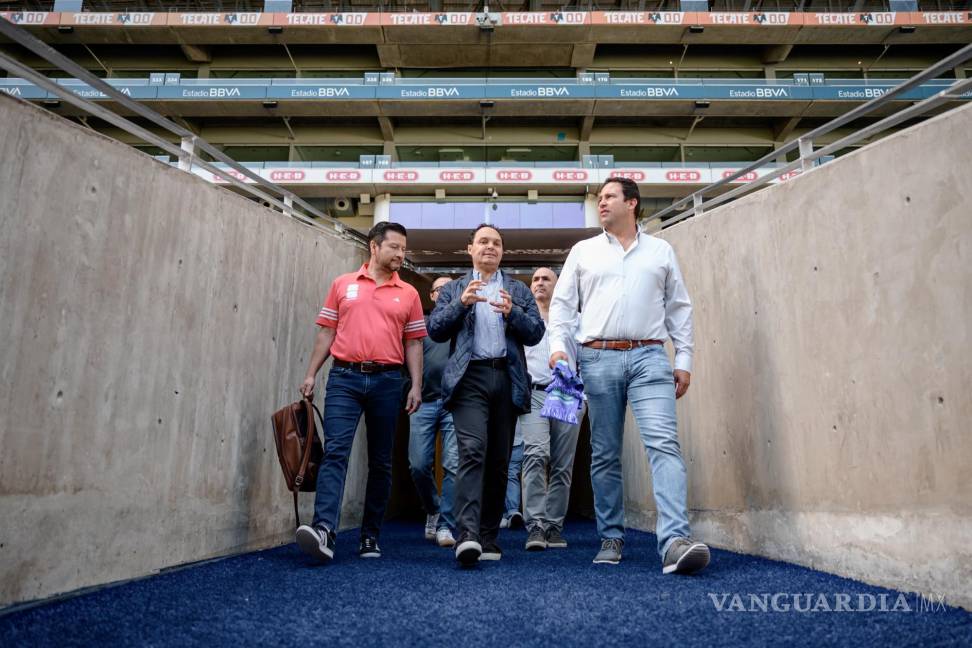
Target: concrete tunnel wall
[829, 420]
[839, 299]
[149, 325]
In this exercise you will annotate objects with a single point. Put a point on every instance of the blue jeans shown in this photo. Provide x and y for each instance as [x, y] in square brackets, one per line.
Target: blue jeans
[513, 480]
[348, 394]
[643, 377]
[423, 425]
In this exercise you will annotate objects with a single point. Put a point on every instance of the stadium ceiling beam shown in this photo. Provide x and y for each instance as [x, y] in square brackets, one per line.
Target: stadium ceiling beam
[389, 55]
[587, 125]
[784, 128]
[387, 128]
[776, 53]
[197, 53]
[185, 124]
[582, 55]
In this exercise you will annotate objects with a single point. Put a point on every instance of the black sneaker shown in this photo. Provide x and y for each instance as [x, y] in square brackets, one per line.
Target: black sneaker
[555, 540]
[369, 548]
[468, 549]
[316, 541]
[491, 551]
[516, 520]
[537, 539]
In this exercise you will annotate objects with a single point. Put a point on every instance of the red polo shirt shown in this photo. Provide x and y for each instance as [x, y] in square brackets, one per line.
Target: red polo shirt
[372, 320]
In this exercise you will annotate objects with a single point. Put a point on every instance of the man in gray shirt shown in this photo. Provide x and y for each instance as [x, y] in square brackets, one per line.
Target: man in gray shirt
[548, 444]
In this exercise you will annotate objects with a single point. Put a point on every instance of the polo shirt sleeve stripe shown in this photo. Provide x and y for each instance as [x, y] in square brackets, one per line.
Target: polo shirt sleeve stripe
[415, 327]
[329, 314]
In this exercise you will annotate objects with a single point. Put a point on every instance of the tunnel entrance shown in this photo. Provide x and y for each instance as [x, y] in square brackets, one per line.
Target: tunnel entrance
[406, 505]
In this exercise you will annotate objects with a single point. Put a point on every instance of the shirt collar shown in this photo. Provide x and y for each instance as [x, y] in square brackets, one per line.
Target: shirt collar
[363, 274]
[497, 276]
[610, 238]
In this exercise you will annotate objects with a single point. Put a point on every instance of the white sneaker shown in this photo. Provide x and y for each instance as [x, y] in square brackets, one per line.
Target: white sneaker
[505, 523]
[443, 538]
[431, 521]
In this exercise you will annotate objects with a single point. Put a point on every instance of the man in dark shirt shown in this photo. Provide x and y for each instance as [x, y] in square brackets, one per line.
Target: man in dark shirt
[430, 418]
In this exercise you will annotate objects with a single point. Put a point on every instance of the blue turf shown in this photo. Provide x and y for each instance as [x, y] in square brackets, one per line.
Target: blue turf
[415, 595]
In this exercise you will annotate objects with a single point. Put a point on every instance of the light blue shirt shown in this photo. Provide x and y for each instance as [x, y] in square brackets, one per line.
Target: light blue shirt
[489, 339]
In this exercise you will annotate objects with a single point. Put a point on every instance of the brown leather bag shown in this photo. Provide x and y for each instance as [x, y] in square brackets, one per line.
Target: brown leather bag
[293, 425]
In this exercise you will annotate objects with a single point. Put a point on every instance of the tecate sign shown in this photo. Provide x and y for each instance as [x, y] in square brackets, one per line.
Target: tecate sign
[287, 175]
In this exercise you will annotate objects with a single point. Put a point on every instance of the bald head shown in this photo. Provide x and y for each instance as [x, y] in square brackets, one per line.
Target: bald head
[436, 286]
[542, 285]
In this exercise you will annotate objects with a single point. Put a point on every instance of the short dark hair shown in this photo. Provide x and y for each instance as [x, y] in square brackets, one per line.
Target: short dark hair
[629, 189]
[380, 231]
[472, 234]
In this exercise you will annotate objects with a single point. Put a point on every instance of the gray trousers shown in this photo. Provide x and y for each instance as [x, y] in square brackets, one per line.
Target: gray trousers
[548, 464]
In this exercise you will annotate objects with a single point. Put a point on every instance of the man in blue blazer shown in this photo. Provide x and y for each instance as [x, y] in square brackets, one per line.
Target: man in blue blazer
[487, 316]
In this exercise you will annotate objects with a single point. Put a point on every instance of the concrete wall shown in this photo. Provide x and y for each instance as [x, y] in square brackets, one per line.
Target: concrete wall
[149, 325]
[829, 418]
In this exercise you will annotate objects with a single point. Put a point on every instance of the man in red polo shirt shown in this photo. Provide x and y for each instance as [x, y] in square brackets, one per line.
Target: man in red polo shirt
[365, 319]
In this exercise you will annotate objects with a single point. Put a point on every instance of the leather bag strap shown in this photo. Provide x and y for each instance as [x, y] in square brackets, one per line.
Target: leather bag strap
[308, 444]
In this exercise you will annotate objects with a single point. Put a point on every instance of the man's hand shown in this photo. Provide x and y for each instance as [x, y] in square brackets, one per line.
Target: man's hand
[557, 355]
[469, 295]
[307, 388]
[682, 380]
[504, 305]
[414, 399]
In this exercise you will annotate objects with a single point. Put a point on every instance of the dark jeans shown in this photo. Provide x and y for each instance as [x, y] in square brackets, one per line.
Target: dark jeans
[484, 418]
[348, 394]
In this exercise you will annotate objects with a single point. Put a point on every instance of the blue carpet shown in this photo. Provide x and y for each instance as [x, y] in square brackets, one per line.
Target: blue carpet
[415, 595]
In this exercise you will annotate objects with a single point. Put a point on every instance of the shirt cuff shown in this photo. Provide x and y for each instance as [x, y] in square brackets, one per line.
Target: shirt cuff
[558, 345]
[683, 361]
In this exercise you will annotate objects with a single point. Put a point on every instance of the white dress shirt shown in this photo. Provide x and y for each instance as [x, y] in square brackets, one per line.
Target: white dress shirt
[607, 293]
[538, 360]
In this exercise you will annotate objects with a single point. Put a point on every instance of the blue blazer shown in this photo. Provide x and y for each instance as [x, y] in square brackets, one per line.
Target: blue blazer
[453, 322]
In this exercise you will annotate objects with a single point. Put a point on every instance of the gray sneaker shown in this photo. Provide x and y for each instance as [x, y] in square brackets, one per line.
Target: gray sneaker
[537, 539]
[431, 522]
[610, 553]
[685, 556]
[555, 540]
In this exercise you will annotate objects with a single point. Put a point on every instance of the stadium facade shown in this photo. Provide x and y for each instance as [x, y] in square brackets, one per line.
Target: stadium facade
[442, 115]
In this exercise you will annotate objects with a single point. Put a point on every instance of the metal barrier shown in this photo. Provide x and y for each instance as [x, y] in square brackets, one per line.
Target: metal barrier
[191, 144]
[804, 145]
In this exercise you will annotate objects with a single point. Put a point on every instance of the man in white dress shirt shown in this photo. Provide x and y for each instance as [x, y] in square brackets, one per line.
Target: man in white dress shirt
[619, 297]
[548, 444]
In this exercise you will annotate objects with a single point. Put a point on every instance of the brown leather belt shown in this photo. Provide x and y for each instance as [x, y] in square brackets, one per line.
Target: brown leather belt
[367, 367]
[620, 345]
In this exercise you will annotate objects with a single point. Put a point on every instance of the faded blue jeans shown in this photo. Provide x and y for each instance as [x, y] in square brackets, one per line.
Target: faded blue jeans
[431, 418]
[642, 377]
